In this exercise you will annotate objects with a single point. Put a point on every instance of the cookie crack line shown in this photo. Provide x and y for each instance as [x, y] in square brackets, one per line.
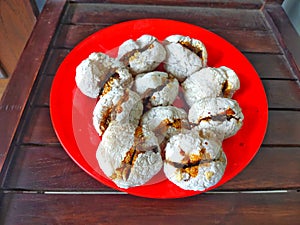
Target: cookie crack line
[221, 117]
[126, 58]
[131, 156]
[148, 94]
[191, 164]
[194, 49]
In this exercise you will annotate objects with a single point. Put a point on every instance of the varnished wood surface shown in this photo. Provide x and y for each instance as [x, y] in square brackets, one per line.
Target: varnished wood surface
[19, 87]
[40, 184]
[110, 209]
[17, 20]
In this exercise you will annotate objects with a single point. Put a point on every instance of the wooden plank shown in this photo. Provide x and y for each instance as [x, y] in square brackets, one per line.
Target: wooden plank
[50, 168]
[70, 35]
[3, 84]
[54, 59]
[270, 66]
[257, 40]
[283, 128]
[272, 168]
[276, 209]
[39, 128]
[16, 24]
[286, 34]
[43, 90]
[248, 4]
[107, 14]
[282, 94]
[17, 92]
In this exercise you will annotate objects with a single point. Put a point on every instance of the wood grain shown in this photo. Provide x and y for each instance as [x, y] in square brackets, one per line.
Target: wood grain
[17, 20]
[249, 4]
[108, 14]
[39, 128]
[283, 128]
[39, 168]
[282, 94]
[43, 90]
[129, 210]
[18, 90]
[3, 84]
[271, 66]
[54, 59]
[286, 35]
[257, 41]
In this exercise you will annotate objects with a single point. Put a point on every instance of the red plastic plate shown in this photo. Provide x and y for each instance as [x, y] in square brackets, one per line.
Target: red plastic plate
[71, 111]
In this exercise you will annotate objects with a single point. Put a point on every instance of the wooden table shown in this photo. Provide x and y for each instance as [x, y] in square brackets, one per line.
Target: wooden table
[40, 184]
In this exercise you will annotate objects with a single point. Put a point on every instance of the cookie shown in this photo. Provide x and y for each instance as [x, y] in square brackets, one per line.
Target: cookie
[158, 88]
[165, 121]
[185, 56]
[222, 115]
[93, 72]
[129, 155]
[194, 162]
[121, 105]
[142, 55]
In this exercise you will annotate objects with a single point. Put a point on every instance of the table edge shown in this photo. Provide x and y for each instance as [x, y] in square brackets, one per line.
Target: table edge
[285, 34]
[18, 90]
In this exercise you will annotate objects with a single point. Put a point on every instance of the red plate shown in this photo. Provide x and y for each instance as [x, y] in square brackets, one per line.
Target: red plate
[71, 111]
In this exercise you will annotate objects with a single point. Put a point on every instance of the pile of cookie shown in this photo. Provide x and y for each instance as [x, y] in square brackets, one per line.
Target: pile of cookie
[160, 106]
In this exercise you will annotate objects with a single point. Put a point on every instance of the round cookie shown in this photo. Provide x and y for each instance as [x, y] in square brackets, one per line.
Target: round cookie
[207, 82]
[93, 72]
[194, 162]
[129, 155]
[222, 115]
[159, 88]
[232, 83]
[185, 56]
[122, 105]
[165, 121]
[210, 82]
[142, 55]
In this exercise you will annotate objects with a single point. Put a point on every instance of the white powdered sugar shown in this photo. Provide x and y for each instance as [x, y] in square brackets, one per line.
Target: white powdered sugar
[132, 162]
[159, 87]
[161, 108]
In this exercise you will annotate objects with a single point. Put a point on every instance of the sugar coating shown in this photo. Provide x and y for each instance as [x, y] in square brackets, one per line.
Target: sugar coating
[207, 82]
[162, 88]
[233, 82]
[190, 142]
[182, 149]
[121, 78]
[115, 106]
[210, 113]
[116, 142]
[162, 119]
[91, 73]
[119, 117]
[210, 82]
[147, 53]
[181, 61]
